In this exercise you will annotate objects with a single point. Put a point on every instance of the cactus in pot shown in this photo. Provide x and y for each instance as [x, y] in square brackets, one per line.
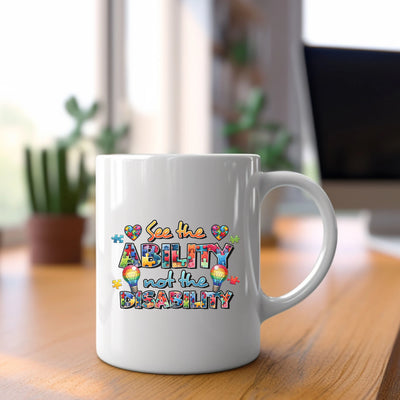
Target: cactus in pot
[51, 189]
[56, 192]
[55, 229]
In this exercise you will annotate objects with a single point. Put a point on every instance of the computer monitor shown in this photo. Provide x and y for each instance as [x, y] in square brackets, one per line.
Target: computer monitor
[355, 104]
[354, 96]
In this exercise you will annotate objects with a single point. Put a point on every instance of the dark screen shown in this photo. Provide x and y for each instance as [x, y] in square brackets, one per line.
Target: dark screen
[355, 99]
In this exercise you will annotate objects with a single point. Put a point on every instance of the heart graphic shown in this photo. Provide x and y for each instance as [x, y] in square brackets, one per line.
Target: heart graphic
[219, 231]
[133, 232]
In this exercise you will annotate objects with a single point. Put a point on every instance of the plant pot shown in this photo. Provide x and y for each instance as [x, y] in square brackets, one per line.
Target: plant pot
[55, 239]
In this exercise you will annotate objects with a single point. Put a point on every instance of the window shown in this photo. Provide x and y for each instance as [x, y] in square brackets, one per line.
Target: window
[48, 52]
[168, 75]
[367, 24]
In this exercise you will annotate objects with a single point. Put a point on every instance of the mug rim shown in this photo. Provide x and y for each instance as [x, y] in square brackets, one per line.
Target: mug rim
[176, 155]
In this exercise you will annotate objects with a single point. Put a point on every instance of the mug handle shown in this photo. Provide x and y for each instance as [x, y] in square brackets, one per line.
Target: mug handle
[267, 181]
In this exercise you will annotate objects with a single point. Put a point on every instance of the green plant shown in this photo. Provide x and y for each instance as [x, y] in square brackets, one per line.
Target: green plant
[240, 52]
[51, 189]
[249, 134]
[106, 141]
[108, 138]
[80, 116]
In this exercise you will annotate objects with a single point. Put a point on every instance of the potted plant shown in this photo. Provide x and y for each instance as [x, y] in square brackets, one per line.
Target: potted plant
[250, 133]
[55, 229]
[55, 192]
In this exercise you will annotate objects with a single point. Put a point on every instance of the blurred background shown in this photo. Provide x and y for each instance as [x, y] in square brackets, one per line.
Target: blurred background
[312, 86]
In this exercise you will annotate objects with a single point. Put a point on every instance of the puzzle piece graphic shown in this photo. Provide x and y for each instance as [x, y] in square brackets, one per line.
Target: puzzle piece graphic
[233, 280]
[198, 304]
[147, 261]
[117, 238]
[125, 261]
[130, 250]
[116, 283]
[234, 239]
[191, 257]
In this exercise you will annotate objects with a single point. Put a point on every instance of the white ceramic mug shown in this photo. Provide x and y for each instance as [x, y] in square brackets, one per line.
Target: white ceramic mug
[178, 254]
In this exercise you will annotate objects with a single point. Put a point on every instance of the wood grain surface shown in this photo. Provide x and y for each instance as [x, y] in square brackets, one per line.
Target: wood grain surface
[334, 345]
[390, 386]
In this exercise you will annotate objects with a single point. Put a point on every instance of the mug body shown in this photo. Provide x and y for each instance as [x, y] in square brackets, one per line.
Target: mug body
[177, 262]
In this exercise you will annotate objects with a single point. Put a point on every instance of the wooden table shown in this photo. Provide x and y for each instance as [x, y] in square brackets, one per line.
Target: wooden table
[334, 345]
